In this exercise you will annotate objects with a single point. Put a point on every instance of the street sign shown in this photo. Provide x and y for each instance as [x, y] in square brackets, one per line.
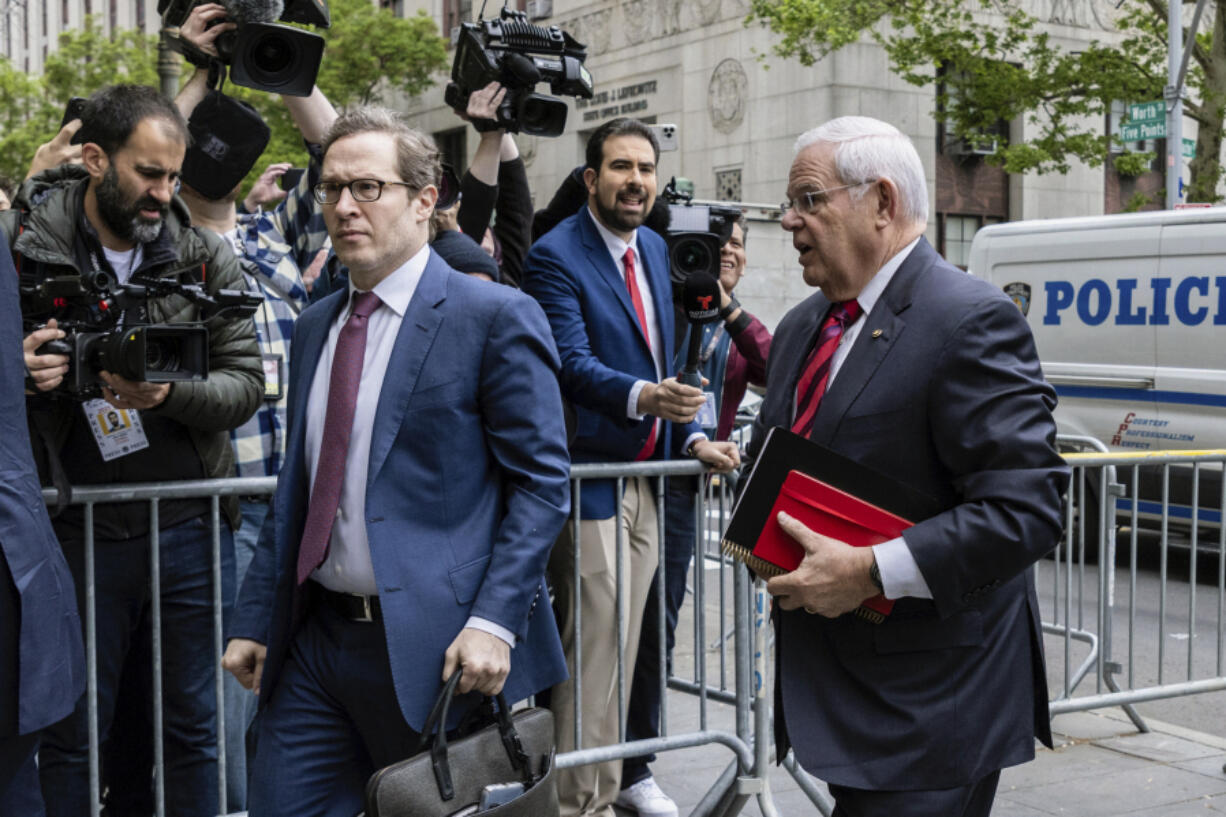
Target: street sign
[1146, 112]
[1139, 131]
[1189, 148]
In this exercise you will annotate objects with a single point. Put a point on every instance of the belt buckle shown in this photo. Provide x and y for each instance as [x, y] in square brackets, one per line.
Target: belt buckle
[367, 614]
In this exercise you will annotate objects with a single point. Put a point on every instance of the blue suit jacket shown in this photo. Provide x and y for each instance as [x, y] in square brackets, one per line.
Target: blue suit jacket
[466, 490]
[44, 640]
[570, 272]
[942, 390]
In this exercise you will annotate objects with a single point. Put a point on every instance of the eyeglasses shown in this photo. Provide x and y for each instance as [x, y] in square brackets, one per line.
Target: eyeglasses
[361, 190]
[808, 202]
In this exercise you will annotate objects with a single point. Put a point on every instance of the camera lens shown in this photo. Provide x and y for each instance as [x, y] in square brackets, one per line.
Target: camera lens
[692, 256]
[161, 357]
[272, 55]
[535, 112]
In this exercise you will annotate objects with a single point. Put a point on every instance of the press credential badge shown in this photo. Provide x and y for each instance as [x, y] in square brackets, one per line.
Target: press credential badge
[118, 431]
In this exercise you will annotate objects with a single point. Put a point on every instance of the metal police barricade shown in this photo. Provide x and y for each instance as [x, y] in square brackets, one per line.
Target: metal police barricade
[738, 678]
[746, 775]
[1168, 507]
[153, 493]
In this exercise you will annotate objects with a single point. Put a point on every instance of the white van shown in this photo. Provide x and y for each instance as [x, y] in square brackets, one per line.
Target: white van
[1129, 315]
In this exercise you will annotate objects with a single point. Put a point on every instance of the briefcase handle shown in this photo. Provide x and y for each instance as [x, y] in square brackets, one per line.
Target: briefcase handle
[435, 733]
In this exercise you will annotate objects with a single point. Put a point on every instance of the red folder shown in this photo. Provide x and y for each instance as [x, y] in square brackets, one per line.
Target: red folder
[830, 512]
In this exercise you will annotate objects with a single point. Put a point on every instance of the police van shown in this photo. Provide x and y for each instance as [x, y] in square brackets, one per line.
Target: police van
[1129, 315]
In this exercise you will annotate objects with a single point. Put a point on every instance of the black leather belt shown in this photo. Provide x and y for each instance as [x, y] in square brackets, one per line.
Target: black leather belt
[352, 606]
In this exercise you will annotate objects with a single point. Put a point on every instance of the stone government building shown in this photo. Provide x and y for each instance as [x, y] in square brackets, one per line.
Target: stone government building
[696, 64]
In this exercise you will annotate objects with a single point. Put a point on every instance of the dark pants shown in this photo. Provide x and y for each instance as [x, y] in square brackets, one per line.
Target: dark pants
[241, 703]
[974, 800]
[124, 636]
[643, 714]
[331, 721]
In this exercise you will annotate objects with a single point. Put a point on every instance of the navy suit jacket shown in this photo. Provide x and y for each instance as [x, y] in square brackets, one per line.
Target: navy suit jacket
[942, 390]
[570, 272]
[466, 490]
[43, 641]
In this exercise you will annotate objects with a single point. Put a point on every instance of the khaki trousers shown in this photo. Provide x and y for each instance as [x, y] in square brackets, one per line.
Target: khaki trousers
[590, 790]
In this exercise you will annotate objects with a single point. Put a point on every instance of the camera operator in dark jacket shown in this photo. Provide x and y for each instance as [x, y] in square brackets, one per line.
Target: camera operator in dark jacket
[496, 185]
[118, 219]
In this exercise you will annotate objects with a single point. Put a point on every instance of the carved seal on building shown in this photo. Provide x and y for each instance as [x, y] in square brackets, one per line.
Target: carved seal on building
[726, 95]
[708, 11]
[639, 19]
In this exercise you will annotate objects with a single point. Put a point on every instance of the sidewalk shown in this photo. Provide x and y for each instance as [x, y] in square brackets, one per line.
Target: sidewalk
[1101, 766]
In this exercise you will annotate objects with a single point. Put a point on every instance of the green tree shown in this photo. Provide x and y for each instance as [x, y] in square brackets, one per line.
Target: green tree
[86, 60]
[369, 51]
[994, 62]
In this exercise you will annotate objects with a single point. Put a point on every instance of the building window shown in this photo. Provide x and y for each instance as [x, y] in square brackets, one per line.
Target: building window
[956, 233]
[728, 184]
[140, 14]
[454, 13]
[63, 13]
[113, 14]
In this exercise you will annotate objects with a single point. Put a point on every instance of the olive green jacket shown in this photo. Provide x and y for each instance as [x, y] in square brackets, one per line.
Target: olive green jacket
[51, 202]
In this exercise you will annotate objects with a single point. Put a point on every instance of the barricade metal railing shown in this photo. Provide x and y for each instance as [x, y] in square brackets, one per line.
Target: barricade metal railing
[1167, 507]
[91, 495]
[746, 631]
[1100, 632]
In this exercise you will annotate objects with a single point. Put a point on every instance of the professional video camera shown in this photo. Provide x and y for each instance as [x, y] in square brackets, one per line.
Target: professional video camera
[95, 313]
[261, 54]
[518, 54]
[695, 234]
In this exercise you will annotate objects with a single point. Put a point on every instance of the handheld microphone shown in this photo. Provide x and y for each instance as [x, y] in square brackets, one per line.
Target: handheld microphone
[700, 296]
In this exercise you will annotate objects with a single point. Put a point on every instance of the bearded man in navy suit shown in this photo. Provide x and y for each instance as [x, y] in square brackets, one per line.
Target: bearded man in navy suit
[434, 461]
[918, 370]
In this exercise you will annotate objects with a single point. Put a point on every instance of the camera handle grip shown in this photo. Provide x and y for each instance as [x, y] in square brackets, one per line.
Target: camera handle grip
[59, 346]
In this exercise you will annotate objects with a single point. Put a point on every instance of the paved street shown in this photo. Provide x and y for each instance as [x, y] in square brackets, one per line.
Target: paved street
[1101, 764]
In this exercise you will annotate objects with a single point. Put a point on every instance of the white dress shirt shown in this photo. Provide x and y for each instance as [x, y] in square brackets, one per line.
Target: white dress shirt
[617, 249]
[900, 575]
[348, 568]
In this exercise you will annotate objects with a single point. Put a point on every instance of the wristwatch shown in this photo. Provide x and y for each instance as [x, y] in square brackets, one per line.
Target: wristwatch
[733, 305]
[874, 575]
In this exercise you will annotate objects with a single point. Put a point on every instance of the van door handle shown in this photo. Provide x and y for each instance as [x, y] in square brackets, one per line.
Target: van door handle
[1100, 380]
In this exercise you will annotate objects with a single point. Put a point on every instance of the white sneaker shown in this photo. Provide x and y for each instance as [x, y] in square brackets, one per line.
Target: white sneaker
[646, 798]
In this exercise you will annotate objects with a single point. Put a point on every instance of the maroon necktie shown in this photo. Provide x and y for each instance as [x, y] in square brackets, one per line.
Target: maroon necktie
[812, 383]
[632, 285]
[338, 423]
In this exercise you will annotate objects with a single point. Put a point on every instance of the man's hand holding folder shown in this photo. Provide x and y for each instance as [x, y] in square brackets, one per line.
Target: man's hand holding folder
[832, 577]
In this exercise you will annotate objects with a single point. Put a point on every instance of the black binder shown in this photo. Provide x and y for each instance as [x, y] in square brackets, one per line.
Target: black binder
[784, 452]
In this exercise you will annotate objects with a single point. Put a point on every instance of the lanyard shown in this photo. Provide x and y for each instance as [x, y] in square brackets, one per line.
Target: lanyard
[709, 349]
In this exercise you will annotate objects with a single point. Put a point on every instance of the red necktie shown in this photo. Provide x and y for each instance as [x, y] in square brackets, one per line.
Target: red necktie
[632, 285]
[812, 383]
[338, 423]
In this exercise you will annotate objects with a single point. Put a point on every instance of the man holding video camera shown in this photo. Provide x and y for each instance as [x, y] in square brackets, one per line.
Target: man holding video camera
[116, 220]
[604, 284]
